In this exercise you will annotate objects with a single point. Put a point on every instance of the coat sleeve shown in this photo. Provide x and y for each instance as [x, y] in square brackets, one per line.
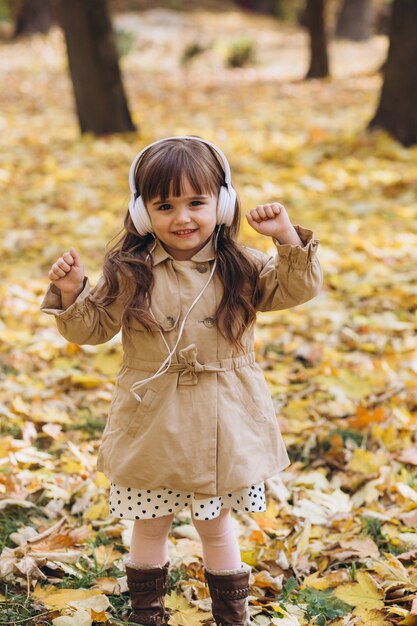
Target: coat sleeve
[84, 322]
[292, 276]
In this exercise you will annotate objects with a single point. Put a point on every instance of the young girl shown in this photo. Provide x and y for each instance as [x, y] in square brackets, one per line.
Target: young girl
[191, 421]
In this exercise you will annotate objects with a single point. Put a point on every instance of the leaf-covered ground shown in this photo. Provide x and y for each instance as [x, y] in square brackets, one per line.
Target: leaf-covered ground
[338, 542]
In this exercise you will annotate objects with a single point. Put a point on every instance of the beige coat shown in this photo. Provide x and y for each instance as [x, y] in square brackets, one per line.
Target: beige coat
[208, 425]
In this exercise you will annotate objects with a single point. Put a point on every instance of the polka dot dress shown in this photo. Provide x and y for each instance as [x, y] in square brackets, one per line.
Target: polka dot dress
[132, 503]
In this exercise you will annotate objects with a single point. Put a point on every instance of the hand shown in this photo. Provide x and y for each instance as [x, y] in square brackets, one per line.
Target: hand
[67, 273]
[269, 219]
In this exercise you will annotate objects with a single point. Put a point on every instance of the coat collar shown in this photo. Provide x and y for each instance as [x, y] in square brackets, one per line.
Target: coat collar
[159, 254]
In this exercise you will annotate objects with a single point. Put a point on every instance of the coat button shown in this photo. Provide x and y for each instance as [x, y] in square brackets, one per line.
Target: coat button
[170, 321]
[202, 269]
[209, 322]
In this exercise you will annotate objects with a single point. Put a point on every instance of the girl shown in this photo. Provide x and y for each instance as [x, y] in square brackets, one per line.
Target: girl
[191, 421]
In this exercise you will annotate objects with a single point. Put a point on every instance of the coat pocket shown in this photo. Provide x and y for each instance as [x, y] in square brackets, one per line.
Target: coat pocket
[257, 409]
[127, 412]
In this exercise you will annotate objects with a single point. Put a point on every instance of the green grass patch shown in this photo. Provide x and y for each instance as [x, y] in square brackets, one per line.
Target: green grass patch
[372, 528]
[319, 606]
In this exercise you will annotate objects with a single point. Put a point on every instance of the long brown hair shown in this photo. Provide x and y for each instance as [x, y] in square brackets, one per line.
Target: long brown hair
[127, 267]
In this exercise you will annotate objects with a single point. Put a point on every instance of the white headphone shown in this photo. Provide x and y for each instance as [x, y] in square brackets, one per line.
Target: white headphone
[225, 204]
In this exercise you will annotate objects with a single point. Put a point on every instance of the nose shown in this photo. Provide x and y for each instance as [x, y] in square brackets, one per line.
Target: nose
[182, 216]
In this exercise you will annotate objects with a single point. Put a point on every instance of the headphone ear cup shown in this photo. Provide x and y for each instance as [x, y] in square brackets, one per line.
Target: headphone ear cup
[226, 205]
[140, 216]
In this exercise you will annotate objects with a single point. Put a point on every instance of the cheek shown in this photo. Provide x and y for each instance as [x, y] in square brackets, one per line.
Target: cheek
[158, 221]
[209, 221]
[212, 216]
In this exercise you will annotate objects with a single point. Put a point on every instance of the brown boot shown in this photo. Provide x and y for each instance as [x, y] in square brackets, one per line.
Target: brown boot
[229, 590]
[147, 586]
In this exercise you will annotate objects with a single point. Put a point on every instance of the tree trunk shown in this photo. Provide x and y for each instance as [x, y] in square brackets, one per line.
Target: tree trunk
[383, 13]
[258, 6]
[32, 16]
[397, 109]
[315, 18]
[355, 20]
[277, 8]
[94, 67]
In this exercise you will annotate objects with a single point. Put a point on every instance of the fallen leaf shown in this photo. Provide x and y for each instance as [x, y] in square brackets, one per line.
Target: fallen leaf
[363, 594]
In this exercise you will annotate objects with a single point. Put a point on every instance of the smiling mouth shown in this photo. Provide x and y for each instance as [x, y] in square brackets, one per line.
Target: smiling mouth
[184, 232]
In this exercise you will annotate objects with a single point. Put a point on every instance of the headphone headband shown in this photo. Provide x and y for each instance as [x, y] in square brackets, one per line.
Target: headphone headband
[227, 173]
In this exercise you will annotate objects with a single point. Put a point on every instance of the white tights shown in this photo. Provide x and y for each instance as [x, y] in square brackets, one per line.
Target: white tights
[220, 546]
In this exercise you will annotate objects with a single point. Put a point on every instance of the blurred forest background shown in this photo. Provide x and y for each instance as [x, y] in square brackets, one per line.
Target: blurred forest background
[315, 104]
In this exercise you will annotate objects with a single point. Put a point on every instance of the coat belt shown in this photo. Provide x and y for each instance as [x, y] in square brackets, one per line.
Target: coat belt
[189, 366]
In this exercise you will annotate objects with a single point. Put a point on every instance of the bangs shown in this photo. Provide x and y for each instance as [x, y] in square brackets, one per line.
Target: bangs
[165, 177]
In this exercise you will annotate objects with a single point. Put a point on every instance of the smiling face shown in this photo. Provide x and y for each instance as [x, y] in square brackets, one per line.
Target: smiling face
[183, 223]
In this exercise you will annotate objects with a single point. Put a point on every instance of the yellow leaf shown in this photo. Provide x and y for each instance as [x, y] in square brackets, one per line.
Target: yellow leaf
[5, 445]
[312, 581]
[267, 520]
[388, 435]
[97, 603]
[99, 510]
[69, 466]
[54, 598]
[50, 414]
[372, 617]
[393, 572]
[101, 480]
[250, 556]
[363, 594]
[184, 613]
[410, 620]
[297, 409]
[303, 539]
[19, 406]
[106, 555]
[368, 493]
[70, 348]
[86, 380]
[107, 364]
[100, 616]
[111, 586]
[277, 608]
[331, 580]
[366, 462]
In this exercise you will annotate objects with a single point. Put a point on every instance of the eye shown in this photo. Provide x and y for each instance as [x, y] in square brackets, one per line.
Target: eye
[196, 202]
[164, 207]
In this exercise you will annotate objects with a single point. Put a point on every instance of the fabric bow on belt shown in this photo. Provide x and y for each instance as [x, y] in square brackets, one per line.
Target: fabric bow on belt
[191, 366]
[188, 368]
